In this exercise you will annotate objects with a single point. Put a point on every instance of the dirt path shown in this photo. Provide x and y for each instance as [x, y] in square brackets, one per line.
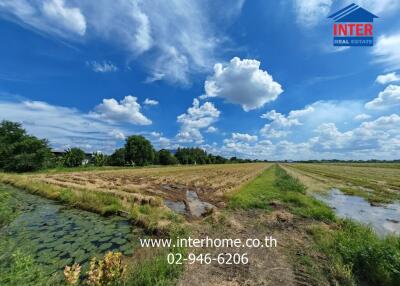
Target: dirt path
[267, 266]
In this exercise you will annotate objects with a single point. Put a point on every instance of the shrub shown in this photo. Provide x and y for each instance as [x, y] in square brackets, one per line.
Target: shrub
[73, 157]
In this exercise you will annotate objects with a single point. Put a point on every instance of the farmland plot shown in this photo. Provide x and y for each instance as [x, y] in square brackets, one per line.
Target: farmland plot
[209, 182]
[376, 182]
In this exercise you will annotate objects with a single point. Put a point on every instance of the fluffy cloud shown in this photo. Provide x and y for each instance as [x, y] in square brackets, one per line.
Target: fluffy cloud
[362, 116]
[388, 98]
[102, 67]
[52, 16]
[67, 17]
[310, 12]
[196, 118]
[244, 137]
[211, 129]
[370, 135]
[377, 138]
[146, 29]
[242, 82]
[387, 52]
[387, 78]
[280, 120]
[149, 101]
[64, 127]
[127, 110]
[280, 124]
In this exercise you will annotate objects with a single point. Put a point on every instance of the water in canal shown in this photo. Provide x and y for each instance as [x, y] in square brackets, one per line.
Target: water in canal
[383, 219]
[55, 235]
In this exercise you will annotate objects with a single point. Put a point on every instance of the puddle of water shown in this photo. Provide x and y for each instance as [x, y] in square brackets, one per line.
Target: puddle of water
[178, 207]
[56, 235]
[383, 219]
[194, 207]
[197, 207]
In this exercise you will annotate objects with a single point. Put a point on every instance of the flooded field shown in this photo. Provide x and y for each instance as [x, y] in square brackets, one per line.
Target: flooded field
[56, 236]
[384, 219]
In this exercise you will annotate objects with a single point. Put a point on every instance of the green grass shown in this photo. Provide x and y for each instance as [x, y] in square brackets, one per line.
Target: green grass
[22, 269]
[6, 211]
[275, 185]
[356, 249]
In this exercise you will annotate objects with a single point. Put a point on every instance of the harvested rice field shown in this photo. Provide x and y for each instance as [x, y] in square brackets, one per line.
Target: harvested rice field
[209, 182]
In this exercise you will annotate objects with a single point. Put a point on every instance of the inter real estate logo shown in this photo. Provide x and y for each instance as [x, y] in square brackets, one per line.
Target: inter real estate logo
[353, 26]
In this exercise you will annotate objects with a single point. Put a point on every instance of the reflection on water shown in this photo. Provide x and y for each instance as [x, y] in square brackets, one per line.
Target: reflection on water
[56, 235]
[383, 219]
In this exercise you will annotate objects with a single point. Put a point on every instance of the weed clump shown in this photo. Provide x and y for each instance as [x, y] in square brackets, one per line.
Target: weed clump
[103, 272]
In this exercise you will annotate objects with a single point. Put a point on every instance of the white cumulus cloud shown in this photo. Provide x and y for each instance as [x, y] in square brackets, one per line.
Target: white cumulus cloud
[196, 118]
[242, 82]
[362, 116]
[388, 98]
[280, 124]
[211, 129]
[127, 110]
[244, 137]
[387, 78]
[149, 101]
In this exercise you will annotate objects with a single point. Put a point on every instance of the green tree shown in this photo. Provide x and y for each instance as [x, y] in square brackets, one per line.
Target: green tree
[165, 157]
[99, 159]
[138, 151]
[117, 158]
[20, 152]
[73, 157]
[192, 156]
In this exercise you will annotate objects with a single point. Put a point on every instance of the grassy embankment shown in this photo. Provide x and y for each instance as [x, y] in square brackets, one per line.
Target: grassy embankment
[377, 183]
[153, 218]
[353, 253]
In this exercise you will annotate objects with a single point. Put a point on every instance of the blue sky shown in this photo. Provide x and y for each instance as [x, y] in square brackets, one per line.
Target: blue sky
[256, 79]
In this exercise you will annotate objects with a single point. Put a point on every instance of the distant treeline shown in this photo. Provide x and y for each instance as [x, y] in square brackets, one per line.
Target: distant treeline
[21, 152]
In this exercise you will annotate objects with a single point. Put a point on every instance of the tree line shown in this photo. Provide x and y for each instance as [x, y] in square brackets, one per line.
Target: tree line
[21, 152]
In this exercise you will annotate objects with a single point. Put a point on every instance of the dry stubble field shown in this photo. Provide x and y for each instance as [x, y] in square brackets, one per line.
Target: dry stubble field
[210, 182]
[376, 182]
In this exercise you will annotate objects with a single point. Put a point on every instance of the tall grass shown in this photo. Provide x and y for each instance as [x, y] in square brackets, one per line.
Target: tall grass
[356, 249]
